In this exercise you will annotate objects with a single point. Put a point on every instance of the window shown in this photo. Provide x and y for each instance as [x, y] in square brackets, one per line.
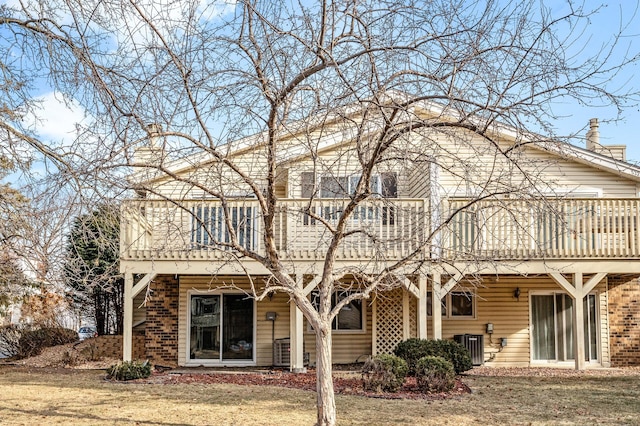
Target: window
[221, 328]
[383, 184]
[462, 304]
[552, 327]
[350, 317]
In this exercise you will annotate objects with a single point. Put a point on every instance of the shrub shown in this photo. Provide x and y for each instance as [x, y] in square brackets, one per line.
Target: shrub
[435, 374]
[412, 350]
[384, 373]
[10, 339]
[129, 370]
[32, 342]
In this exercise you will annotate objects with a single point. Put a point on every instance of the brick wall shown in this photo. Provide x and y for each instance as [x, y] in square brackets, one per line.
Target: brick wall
[624, 320]
[111, 346]
[161, 327]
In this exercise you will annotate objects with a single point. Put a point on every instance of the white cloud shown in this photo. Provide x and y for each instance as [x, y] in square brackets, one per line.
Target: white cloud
[55, 119]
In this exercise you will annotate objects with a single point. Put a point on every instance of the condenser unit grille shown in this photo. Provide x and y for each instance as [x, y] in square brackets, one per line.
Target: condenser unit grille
[474, 344]
[281, 352]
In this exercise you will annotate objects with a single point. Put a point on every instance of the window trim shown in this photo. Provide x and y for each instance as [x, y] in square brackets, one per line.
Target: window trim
[311, 181]
[598, 327]
[363, 314]
[217, 362]
[446, 313]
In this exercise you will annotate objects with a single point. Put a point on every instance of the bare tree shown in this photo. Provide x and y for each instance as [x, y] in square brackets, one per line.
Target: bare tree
[426, 87]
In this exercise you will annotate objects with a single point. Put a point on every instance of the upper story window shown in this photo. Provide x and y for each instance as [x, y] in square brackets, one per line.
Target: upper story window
[383, 184]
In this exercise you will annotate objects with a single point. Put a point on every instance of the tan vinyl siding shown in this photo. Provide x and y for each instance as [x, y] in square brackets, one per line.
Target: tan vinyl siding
[417, 182]
[448, 148]
[496, 304]
[139, 308]
[348, 346]
[552, 174]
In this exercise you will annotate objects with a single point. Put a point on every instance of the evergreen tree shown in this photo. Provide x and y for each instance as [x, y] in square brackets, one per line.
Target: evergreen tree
[91, 268]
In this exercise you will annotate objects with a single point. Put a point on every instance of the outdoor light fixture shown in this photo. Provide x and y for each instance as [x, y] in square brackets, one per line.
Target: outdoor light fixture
[489, 328]
[516, 293]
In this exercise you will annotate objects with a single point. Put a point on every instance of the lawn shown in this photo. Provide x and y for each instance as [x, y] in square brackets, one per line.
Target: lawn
[57, 396]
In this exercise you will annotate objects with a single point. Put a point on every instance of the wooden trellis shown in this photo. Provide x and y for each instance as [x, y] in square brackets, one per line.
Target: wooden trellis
[389, 322]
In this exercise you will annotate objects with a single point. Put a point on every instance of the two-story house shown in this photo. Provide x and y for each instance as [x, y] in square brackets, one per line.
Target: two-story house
[533, 248]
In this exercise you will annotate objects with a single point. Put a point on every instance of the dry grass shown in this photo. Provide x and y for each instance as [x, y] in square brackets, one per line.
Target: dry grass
[57, 396]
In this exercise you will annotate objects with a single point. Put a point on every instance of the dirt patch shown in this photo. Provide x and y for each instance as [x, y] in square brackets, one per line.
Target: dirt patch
[80, 355]
[344, 383]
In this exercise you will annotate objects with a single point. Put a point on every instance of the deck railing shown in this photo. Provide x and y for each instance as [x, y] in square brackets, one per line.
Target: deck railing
[386, 229]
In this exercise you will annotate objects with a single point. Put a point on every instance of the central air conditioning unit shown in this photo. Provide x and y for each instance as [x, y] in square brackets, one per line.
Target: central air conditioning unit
[474, 344]
[281, 352]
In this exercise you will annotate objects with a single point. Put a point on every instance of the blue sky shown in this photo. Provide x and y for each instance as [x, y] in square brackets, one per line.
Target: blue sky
[59, 123]
[602, 27]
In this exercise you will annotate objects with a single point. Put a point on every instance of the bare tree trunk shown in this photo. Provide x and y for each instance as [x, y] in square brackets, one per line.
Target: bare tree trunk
[326, 403]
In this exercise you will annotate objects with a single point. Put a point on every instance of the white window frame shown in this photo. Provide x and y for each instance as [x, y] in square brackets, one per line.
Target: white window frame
[218, 362]
[346, 331]
[446, 311]
[597, 361]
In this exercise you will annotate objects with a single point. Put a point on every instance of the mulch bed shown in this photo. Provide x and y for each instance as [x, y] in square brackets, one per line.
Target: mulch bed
[350, 384]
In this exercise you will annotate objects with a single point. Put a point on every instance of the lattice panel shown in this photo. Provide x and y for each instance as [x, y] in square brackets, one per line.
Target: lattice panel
[413, 316]
[388, 321]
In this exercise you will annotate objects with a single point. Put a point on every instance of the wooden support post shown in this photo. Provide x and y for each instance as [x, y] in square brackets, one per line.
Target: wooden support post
[130, 292]
[296, 324]
[436, 306]
[422, 307]
[127, 326]
[406, 316]
[578, 322]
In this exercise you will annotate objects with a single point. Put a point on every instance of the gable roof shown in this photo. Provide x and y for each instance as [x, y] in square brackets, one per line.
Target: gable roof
[425, 107]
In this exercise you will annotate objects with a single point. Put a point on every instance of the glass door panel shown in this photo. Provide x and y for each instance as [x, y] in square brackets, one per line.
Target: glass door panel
[205, 327]
[237, 342]
[552, 327]
[590, 328]
[564, 319]
[543, 327]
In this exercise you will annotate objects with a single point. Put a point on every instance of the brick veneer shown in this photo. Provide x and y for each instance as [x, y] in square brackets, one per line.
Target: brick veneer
[110, 346]
[161, 331]
[624, 320]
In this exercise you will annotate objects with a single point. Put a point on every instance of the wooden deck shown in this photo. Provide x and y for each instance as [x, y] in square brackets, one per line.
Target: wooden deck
[505, 229]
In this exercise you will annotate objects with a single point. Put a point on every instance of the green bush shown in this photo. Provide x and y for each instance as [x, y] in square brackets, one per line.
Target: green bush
[412, 350]
[435, 374]
[32, 342]
[129, 370]
[384, 373]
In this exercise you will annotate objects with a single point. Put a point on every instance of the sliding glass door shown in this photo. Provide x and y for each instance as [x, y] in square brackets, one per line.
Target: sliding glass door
[552, 327]
[221, 327]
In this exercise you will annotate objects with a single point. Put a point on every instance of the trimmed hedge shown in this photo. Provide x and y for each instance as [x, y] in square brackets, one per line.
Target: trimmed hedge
[412, 350]
[435, 374]
[32, 342]
[129, 370]
[384, 373]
